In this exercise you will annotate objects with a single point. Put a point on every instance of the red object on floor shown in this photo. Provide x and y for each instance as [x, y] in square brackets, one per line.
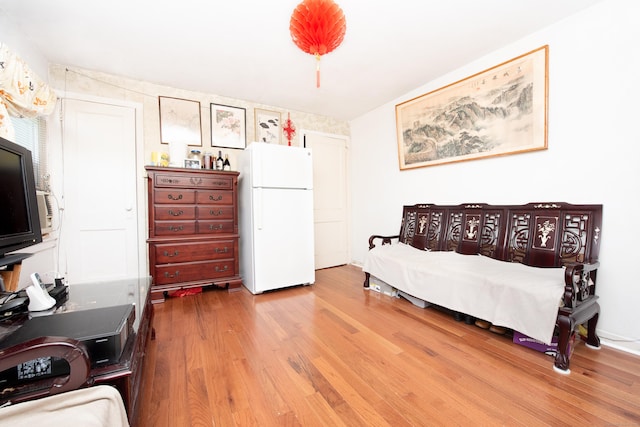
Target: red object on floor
[185, 292]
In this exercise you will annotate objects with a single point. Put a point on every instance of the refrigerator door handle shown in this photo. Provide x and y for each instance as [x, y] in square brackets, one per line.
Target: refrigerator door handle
[259, 208]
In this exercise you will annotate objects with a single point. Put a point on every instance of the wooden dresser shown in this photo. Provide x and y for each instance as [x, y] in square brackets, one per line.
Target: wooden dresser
[193, 229]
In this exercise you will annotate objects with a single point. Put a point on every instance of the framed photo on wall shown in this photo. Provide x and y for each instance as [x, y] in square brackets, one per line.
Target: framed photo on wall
[228, 126]
[180, 121]
[499, 111]
[268, 126]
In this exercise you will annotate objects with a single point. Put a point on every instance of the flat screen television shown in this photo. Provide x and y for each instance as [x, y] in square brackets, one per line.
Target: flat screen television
[19, 219]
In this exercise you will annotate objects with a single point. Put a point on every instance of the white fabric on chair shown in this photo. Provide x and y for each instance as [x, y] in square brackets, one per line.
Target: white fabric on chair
[513, 295]
[94, 406]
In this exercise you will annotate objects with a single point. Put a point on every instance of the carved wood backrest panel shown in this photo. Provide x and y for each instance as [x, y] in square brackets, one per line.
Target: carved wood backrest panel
[537, 234]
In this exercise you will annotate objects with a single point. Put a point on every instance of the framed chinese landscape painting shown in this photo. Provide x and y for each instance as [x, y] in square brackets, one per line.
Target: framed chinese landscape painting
[499, 111]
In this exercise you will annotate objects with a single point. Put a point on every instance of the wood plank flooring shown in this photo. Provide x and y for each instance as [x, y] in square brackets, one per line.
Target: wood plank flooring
[334, 354]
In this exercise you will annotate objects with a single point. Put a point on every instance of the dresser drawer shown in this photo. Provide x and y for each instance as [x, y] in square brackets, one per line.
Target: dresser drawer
[213, 197]
[186, 252]
[193, 180]
[174, 196]
[214, 212]
[218, 182]
[174, 228]
[193, 271]
[213, 227]
[177, 212]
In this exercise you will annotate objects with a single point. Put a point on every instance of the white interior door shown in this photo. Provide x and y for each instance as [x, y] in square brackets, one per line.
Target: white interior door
[99, 234]
[329, 198]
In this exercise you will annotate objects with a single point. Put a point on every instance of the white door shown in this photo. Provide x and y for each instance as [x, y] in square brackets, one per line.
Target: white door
[329, 198]
[99, 233]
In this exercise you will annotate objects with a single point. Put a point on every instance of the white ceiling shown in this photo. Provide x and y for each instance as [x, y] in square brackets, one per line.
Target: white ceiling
[242, 48]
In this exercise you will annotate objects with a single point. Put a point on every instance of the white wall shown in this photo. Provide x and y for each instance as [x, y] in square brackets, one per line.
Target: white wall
[13, 38]
[593, 153]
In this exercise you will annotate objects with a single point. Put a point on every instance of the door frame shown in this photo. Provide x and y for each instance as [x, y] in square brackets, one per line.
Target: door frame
[55, 136]
[347, 140]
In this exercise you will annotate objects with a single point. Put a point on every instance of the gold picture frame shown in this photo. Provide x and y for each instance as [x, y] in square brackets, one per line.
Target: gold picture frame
[499, 111]
[268, 126]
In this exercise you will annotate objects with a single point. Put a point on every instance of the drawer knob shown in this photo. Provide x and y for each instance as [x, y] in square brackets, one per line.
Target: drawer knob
[172, 213]
[171, 276]
[218, 269]
[222, 251]
[167, 254]
[172, 197]
[173, 228]
[215, 213]
[215, 227]
[215, 199]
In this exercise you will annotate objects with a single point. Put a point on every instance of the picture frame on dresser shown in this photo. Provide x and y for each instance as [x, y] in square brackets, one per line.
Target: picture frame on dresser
[192, 163]
[180, 121]
[228, 126]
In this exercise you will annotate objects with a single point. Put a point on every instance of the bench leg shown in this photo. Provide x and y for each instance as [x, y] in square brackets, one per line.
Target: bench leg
[593, 341]
[565, 326]
[367, 276]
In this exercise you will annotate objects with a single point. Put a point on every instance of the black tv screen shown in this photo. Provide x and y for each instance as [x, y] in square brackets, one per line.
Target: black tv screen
[19, 221]
[15, 218]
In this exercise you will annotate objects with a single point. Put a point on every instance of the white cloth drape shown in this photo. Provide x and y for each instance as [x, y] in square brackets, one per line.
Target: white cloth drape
[510, 294]
[99, 406]
[22, 92]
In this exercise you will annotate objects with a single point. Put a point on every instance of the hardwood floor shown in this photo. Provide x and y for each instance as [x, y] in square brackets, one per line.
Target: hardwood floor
[334, 354]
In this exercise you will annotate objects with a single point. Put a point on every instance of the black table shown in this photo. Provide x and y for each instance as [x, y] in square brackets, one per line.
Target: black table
[126, 373]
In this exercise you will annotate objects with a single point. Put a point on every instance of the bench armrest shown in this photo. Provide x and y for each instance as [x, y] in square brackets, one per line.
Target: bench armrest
[579, 283]
[386, 240]
[71, 350]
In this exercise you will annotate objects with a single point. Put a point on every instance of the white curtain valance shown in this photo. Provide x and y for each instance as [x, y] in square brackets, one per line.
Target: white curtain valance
[22, 92]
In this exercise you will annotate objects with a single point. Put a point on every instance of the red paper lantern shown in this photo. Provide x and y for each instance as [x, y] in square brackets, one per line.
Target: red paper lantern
[317, 27]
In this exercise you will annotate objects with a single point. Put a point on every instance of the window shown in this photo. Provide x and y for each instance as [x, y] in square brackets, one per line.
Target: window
[31, 133]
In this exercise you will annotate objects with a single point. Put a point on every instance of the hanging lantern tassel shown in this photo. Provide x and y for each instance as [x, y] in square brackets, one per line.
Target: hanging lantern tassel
[317, 70]
[317, 27]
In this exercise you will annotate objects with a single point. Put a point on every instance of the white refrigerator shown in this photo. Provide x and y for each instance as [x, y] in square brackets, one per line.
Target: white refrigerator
[275, 211]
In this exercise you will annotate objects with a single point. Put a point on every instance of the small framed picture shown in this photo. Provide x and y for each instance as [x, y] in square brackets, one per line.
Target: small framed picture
[268, 126]
[228, 126]
[180, 121]
[192, 163]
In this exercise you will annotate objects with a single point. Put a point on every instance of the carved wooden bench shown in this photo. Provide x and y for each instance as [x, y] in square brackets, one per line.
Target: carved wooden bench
[557, 240]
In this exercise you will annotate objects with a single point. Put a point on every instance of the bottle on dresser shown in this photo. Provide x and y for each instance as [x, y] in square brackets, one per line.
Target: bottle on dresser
[219, 161]
[226, 166]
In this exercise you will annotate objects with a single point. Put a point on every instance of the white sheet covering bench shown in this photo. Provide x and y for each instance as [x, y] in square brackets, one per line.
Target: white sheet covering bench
[512, 295]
